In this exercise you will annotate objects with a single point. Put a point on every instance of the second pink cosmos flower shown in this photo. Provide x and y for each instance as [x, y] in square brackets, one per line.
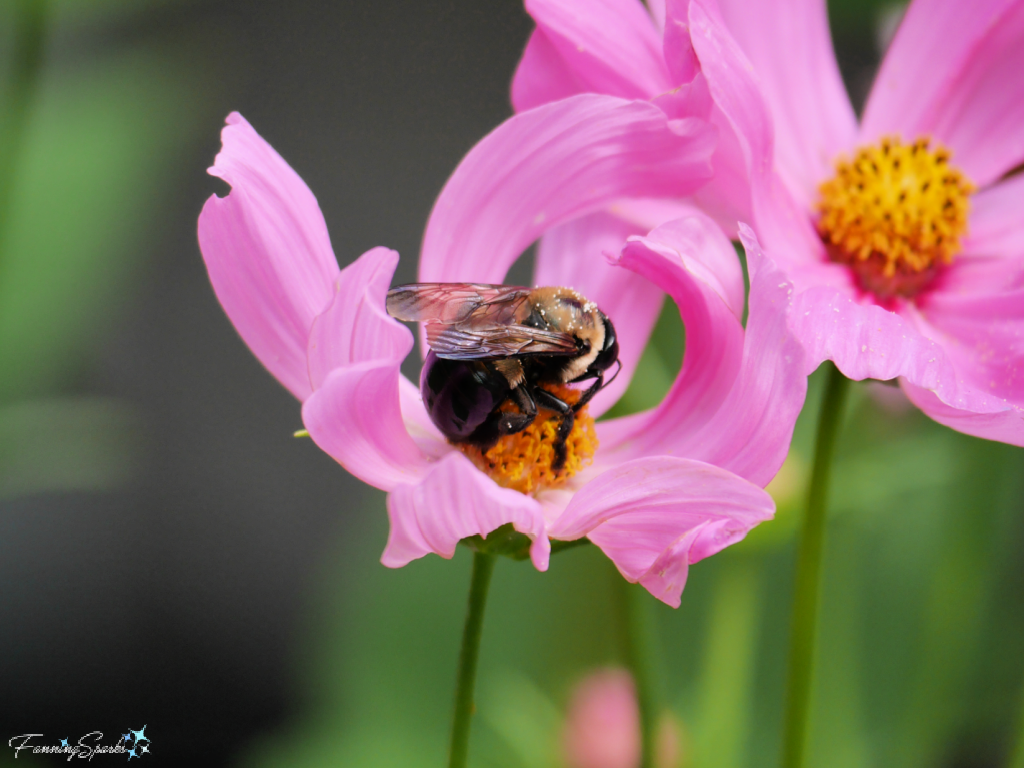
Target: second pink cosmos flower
[666, 487]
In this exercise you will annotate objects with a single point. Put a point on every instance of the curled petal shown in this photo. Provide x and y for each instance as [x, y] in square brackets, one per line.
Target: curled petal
[589, 46]
[356, 417]
[550, 165]
[953, 73]
[267, 252]
[451, 502]
[655, 516]
[355, 327]
[669, 258]
[1005, 424]
[750, 433]
[573, 255]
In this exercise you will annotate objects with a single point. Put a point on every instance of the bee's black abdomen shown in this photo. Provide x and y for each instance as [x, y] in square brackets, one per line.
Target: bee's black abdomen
[460, 396]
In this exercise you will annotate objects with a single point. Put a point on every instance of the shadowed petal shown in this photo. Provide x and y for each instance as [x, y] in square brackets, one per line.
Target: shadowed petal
[453, 501]
[355, 327]
[550, 165]
[655, 516]
[543, 75]
[573, 255]
[953, 73]
[356, 417]
[589, 46]
[677, 258]
[789, 44]
[267, 252]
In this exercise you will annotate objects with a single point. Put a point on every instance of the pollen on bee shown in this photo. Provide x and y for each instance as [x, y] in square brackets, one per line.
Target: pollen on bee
[522, 461]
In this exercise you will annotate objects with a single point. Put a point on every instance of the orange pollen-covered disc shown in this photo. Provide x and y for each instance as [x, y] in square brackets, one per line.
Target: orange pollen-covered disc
[522, 461]
[895, 214]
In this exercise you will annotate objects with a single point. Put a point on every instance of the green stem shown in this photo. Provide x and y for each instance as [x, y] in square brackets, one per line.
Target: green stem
[1017, 756]
[29, 35]
[483, 567]
[640, 649]
[807, 587]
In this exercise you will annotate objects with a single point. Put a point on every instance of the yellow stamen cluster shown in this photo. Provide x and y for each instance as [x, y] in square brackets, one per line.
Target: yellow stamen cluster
[895, 213]
[523, 461]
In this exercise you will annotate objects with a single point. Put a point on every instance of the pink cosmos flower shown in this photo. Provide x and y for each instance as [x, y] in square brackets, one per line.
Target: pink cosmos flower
[907, 262]
[667, 487]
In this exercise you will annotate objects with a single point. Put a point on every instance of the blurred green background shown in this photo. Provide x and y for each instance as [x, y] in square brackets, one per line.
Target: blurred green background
[169, 555]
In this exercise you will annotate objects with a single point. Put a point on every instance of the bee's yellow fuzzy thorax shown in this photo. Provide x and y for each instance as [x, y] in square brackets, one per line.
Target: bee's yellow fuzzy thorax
[522, 461]
[895, 213]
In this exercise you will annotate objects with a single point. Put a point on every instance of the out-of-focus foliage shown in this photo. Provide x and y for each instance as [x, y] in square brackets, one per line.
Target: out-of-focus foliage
[95, 162]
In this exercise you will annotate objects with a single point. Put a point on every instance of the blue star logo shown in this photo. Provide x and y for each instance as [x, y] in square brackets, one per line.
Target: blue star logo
[126, 737]
[64, 742]
[131, 753]
[140, 735]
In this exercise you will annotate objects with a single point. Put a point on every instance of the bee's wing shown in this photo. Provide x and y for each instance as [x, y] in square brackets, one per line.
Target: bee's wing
[462, 343]
[457, 303]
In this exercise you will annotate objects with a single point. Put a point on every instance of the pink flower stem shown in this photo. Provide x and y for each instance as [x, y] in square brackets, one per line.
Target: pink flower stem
[639, 647]
[29, 35]
[483, 567]
[807, 587]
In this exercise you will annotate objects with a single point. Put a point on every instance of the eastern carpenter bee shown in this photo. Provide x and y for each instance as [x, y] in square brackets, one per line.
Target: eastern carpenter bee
[494, 344]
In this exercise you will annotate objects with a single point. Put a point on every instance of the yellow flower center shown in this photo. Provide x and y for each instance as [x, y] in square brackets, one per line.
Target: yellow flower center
[895, 214]
[523, 461]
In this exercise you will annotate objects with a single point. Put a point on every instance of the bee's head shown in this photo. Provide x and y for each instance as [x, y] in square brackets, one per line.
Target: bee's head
[609, 353]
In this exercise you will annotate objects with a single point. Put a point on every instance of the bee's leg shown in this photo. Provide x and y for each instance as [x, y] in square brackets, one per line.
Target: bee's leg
[588, 393]
[510, 423]
[556, 404]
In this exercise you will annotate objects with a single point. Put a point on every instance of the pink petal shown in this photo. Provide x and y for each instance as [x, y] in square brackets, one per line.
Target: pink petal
[677, 258]
[789, 44]
[1005, 425]
[996, 226]
[543, 75]
[573, 255]
[865, 341]
[597, 46]
[267, 252]
[750, 433]
[655, 516]
[983, 336]
[782, 223]
[355, 327]
[953, 72]
[356, 417]
[455, 500]
[550, 165]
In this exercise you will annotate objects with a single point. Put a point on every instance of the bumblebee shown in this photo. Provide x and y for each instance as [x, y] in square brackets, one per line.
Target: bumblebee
[495, 344]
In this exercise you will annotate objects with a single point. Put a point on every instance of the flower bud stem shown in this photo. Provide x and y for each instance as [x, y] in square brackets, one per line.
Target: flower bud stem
[640, 651]
[807, 585]
[483, 567]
